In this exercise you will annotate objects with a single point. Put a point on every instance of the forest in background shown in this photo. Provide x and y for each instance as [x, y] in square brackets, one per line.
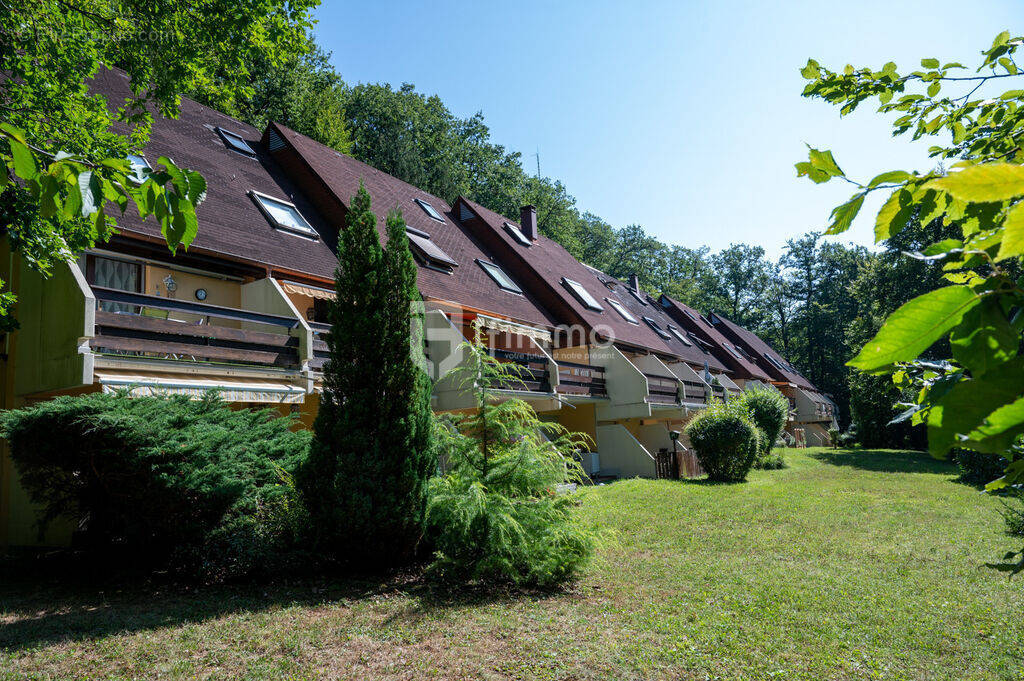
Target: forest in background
[817, 304]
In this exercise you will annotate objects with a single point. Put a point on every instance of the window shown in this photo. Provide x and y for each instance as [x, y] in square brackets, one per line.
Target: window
[499, 276]
[115, 274]
[690, 315]
[680, 335]
[138, 168]
[621, 309]
[431, 253]
[235, 142]
[637, 295]
[517, 234]
[582, 295]
[429, 210]
[284, 216]
[654, 325]
[733, 350]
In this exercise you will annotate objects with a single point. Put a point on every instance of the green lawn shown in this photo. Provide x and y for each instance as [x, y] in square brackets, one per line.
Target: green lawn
[846, 565]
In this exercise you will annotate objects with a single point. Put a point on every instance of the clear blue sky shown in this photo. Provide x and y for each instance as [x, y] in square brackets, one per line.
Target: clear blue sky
[684, 117]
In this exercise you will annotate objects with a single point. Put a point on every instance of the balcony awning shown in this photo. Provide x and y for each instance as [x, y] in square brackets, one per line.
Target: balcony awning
[507, 326]
[233, 389]
[309, 291]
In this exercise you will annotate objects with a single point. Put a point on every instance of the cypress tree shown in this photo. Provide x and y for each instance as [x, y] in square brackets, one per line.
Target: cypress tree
[364, 481]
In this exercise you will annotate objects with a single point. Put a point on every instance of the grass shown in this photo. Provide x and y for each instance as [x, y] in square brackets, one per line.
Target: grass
[846, 565]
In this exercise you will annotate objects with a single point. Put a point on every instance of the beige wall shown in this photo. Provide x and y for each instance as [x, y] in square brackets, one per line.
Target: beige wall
[226, 293]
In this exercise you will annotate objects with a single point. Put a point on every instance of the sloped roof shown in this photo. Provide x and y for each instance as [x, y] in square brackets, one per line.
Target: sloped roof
[760, 351]
[546, 264]
[700, 326]
[331, 179]
[230, 223]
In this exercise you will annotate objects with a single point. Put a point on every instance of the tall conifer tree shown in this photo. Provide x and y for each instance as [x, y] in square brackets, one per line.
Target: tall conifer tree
[364, 481]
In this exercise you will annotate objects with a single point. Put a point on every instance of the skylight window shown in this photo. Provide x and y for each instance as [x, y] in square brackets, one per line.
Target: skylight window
[284, 216]
[733, 350]
[429, 210]
[499, 276]
[680, 335]
[621, 309]
[637, 295]
[582, 295]
[138, 168]
[432, 254]
[517, 234]
[690, 314]
[235, 142]
[654, 325]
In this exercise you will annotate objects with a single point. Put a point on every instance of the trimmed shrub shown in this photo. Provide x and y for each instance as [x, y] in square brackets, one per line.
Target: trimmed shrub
[978, 468]
[726, 440]
[833, 435]
[499, 513]
[769, 410]
[188, 482]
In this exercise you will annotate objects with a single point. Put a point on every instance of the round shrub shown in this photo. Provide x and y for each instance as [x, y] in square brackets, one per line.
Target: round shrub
[769, 410]
[168, 479]
[726, 441]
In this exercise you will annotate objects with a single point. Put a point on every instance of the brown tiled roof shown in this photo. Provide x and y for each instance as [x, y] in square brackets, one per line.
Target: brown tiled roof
[546, 263]
[330, 179]
[760, 351]
[701, 327]
[230, 223]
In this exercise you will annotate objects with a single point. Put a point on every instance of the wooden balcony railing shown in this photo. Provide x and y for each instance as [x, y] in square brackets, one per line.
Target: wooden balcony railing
[695, 391]
[662, 389]
[141, 328]
[320, 352]
[532, 374]
[581, 379]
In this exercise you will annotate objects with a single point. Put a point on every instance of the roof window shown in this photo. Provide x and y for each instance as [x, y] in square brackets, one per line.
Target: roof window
[654, 325]
[582, 294]
[517, 234]
[235, 142]
[429, 210]
[636, 294]
[284, 215]
[733, 350]
[680, 335]
[499, 276]
[429, 252]
[621, 309]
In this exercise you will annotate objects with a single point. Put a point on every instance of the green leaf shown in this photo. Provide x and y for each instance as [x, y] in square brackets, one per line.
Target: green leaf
[930, 63]
[1000, 429]
[1013, 233]
[824, 161]
[24, 162]
[811, 70]
[890, 176]
[984, 183]
[985, 339]
[934, 88]
[914, 327]
[963, 408]
[842, 216]
[894, 214]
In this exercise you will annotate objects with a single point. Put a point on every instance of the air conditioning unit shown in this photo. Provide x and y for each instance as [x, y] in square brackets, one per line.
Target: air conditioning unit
[591, 463]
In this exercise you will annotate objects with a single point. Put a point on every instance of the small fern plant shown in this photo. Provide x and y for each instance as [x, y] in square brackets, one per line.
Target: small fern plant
[500, 511]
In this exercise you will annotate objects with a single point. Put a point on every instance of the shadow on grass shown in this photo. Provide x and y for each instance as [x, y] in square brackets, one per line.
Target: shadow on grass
[76, 604]
[887, 461]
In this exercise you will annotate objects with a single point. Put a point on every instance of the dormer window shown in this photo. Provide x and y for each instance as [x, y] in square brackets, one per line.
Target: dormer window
[517, 234]
[680, 335]
[581, 294]
[500, 278]
[429, 210]
[139, 168]
[654, 325]
[235, 142]
[621, 309]
[284, 215]
[430, 253]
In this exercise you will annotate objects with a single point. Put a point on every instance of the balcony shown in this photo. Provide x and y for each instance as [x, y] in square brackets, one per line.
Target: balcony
[582, 380]
[137, 325]
[528, 372]
[662, 389]
[320, 350]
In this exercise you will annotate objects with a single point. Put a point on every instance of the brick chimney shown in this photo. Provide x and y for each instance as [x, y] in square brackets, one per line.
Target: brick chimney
[528, 222]
[634, 283]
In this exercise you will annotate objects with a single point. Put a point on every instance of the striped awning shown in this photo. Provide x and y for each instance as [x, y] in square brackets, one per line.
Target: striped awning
[507, 326]
[310, 291]
[234, 389]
